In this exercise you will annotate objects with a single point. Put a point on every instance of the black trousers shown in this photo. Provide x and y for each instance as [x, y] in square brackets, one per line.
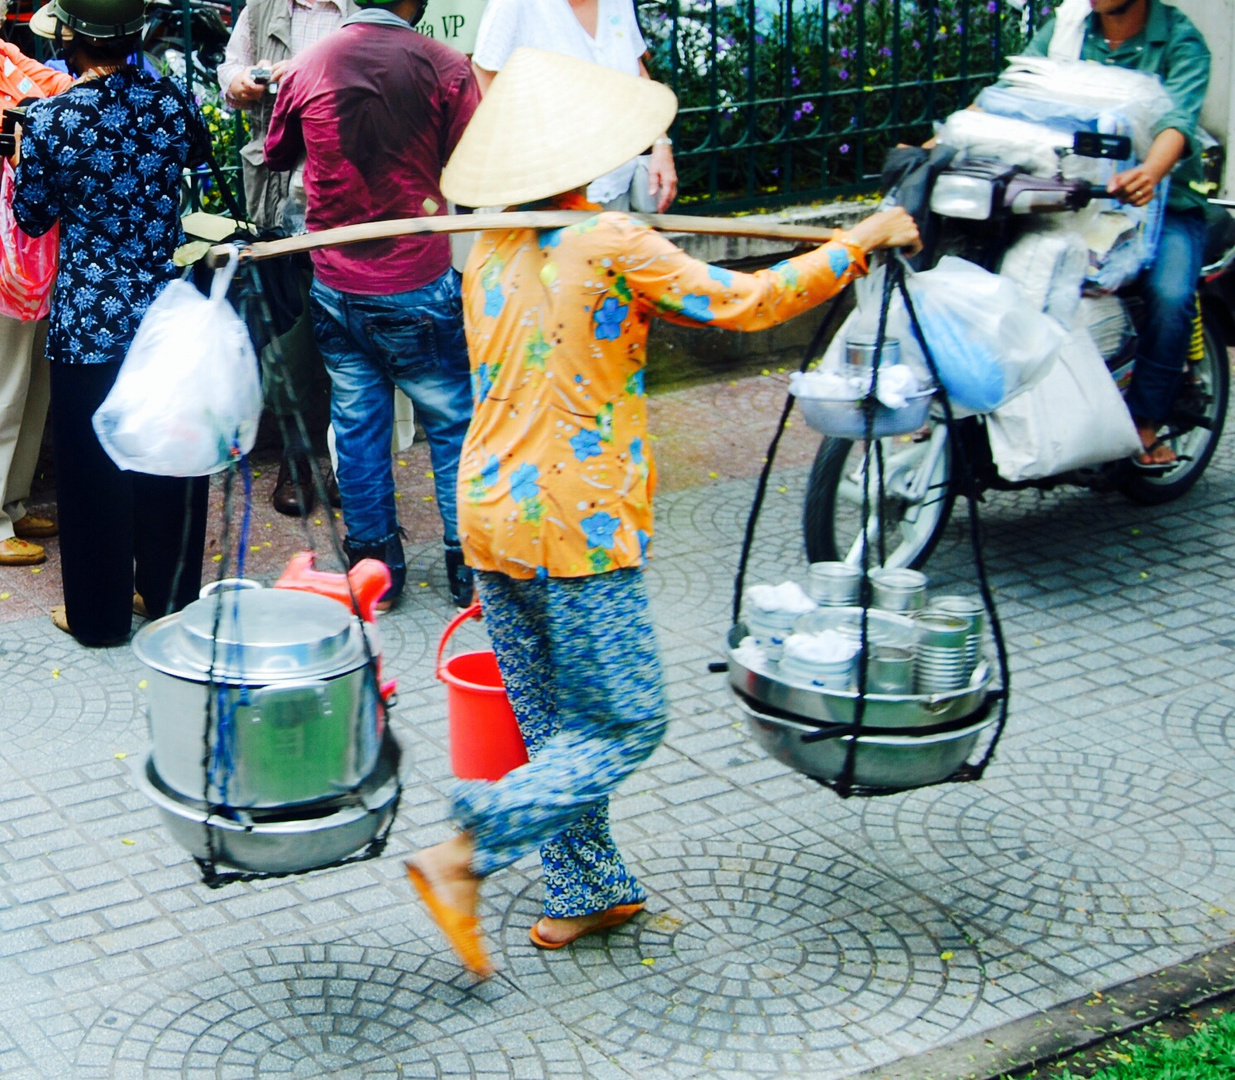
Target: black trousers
[119, 531]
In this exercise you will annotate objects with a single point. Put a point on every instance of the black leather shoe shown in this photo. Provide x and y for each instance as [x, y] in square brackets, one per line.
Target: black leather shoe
[284, 499]
[388, 551]
[460, 578]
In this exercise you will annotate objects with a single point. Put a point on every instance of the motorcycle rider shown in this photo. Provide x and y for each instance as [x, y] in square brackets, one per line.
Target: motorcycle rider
[1152, 36]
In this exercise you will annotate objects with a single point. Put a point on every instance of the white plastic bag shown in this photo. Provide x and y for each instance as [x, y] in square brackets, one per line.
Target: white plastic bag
[1073, 418]
[188, 396]
[986, 338]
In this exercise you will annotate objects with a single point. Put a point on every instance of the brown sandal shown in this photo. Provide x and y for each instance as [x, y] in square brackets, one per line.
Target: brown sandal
[462, 931]
[614, 916]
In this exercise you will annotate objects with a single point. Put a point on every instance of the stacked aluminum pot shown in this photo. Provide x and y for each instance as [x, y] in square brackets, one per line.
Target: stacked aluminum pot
[294, 769]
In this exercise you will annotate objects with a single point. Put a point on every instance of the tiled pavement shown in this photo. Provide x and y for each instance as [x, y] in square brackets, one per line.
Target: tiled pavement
[788, 932]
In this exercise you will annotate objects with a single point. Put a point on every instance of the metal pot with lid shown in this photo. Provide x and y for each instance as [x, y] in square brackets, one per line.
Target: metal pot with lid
[296, 710]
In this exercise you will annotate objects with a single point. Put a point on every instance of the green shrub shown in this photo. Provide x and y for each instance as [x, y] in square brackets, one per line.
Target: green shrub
[791, 99]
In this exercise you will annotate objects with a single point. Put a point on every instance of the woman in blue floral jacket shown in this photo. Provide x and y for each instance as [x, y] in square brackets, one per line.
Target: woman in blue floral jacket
[105, 159]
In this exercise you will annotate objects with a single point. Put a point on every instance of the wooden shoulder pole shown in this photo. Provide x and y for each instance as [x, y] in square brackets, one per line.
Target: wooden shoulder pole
[522, 219]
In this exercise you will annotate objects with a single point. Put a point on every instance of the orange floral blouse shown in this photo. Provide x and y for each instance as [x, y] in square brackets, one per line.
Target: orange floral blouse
[556, 475]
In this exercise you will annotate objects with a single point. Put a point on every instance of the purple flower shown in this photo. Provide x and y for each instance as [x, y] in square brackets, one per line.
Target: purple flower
[796, 81]
[844, 54]
[885, 51]
[797, 114]
[917, 44]
[842, 74]
[845, 9]
[844, 148]
[992, 6]
[808, 107]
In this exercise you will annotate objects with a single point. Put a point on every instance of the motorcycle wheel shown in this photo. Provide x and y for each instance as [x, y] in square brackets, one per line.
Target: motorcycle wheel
[911, 527]
[1207, 394]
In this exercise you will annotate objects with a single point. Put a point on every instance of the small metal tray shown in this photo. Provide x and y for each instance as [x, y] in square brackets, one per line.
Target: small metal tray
[814, 703]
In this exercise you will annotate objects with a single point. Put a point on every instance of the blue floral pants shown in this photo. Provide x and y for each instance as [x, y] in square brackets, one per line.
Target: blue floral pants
[578, 656]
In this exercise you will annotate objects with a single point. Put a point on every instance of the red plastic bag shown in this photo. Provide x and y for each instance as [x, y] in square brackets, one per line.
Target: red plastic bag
[27, 263]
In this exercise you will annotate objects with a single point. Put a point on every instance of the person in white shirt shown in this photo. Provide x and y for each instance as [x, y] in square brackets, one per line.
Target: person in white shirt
[603, 32]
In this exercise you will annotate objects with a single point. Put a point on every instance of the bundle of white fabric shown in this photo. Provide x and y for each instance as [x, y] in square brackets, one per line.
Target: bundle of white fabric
[1050, 267]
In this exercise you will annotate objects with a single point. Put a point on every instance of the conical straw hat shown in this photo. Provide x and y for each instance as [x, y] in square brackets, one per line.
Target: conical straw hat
[549, 124]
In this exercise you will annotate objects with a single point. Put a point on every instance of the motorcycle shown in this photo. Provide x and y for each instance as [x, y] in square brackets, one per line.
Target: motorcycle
[209, 30]
[922, 474]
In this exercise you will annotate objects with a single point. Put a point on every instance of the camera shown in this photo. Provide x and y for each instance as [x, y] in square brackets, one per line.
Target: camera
[9, 119]
[260, 75]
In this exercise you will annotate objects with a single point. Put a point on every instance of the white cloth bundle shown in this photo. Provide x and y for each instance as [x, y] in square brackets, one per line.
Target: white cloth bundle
[1015, 142]
[787, 598]
[1139, 96]
[825, 647]
[1050, 267]
[892, 387]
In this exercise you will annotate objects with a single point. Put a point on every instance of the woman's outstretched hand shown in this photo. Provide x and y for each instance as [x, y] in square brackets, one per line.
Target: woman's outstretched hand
[887, 229]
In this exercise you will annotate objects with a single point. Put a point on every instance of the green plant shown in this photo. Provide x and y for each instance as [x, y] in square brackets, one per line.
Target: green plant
[792, 98]
[1208, 1054]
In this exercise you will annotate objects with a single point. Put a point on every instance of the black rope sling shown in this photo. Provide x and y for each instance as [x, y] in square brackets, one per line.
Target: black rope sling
[217, 692]
[844, 785]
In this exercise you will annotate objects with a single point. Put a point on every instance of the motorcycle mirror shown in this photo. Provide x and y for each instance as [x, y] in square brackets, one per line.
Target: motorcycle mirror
[1092, 144]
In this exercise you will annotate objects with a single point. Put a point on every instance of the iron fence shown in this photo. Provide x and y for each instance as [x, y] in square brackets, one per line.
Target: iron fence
[785, 101]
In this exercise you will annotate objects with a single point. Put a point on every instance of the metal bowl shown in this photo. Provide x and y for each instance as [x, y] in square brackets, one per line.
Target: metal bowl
[767, 687]
[298, 838]
[845, 419]
[881, 761]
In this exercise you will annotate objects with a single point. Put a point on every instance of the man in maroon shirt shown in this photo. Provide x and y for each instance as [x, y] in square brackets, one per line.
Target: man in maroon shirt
[377, 108]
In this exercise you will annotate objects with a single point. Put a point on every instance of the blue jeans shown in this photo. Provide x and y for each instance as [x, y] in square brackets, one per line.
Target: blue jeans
[412, 340]
[1170, 299]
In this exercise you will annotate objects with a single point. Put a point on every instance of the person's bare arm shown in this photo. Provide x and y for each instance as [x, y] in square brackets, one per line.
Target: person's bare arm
[1137, 185]
[483, 77]
[662, 173]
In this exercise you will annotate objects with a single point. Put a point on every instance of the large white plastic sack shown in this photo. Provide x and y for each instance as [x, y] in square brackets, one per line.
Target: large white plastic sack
[1073, 418]
[986, 338]
[188, 396]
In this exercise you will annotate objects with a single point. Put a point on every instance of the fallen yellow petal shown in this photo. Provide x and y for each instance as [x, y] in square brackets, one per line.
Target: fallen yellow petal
[648, 961]
[55, 673]
[765, 371]
[398, 494]
[142, 685]
[430, 474]
[403, 463]
[120, 756]
[1143, 575]
[712, 475]
[427, 498]
[129, 842]
[269, 526]
[217, 558]
[424, 584]
[255, 547]
[257, 472]
[946, 955]
[36, 570]
[782, 490]
[318, 521]
[5, 595]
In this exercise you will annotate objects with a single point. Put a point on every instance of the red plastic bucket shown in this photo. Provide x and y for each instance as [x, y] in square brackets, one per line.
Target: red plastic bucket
[485, 741]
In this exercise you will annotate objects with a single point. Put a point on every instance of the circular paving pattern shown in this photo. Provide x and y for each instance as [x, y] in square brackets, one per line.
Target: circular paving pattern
[751, 950]
[333, 1010]
[1202, 730]
[56, 699]
[1080, 858]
